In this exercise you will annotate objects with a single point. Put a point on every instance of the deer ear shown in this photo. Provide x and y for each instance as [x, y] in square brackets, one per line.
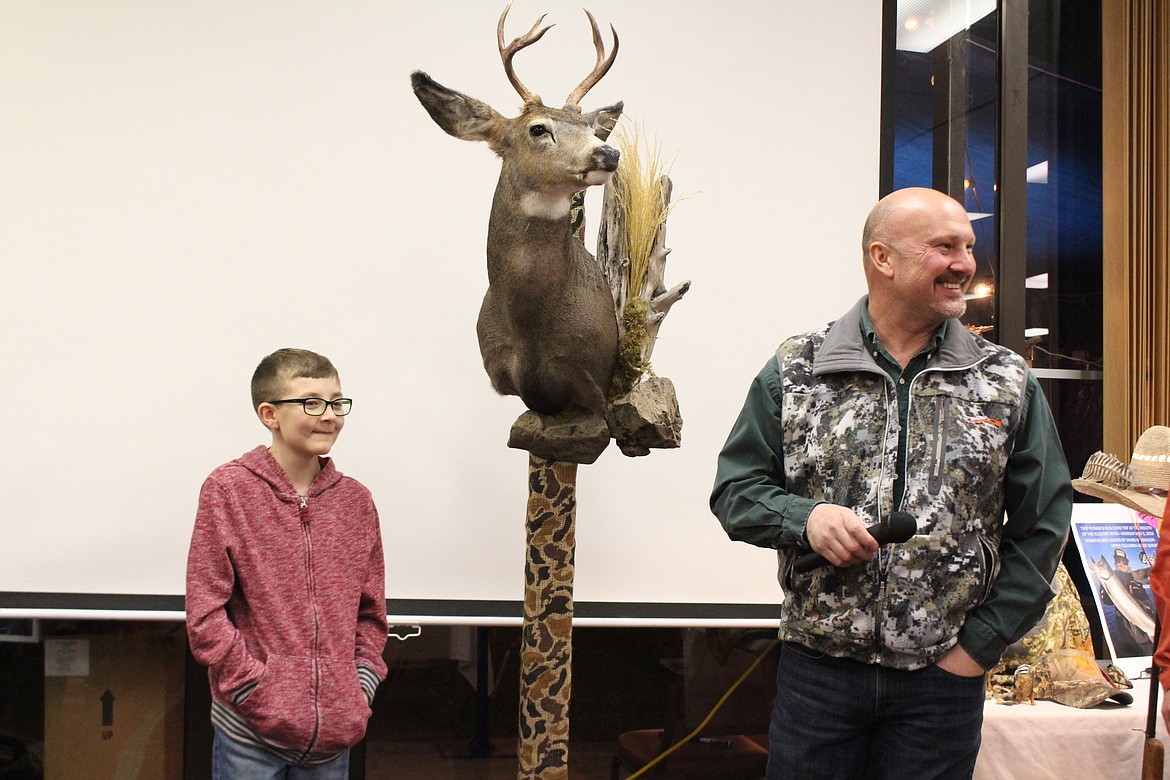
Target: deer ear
[459, 115]
[604, 120]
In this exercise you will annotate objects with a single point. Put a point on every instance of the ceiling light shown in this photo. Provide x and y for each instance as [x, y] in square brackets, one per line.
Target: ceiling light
[935, 21]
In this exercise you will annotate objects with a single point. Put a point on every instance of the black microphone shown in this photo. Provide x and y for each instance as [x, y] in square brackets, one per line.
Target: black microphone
[898, 527]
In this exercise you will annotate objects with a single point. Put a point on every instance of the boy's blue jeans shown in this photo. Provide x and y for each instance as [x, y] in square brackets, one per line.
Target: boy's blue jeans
[231, 760]
[836, 718]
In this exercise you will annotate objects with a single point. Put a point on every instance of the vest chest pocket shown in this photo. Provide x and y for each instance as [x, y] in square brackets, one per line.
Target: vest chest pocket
[959, 436]
[833, 442]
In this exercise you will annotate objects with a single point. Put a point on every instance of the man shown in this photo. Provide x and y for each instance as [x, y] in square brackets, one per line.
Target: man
[897, 406]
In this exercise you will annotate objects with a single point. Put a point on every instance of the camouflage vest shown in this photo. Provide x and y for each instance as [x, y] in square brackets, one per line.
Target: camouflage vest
[905, 607]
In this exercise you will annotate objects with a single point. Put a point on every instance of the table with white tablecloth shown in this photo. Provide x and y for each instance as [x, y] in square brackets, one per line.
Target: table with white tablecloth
[1050, 740]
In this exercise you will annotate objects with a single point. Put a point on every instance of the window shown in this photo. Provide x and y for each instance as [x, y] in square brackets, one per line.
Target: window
[1028, 171]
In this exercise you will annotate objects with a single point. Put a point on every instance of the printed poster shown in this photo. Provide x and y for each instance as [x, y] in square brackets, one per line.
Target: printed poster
[1117, 547]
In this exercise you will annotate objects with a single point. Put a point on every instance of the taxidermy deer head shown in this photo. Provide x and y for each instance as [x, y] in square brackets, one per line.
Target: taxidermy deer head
[547, 329]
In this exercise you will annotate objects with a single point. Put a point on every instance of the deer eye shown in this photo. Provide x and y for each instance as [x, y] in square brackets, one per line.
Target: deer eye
[537, 130]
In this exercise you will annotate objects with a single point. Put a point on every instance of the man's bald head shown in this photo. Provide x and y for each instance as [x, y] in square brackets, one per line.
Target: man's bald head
[884, 220]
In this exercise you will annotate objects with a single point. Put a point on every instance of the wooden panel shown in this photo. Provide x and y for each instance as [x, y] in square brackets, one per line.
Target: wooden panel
[1136, 189]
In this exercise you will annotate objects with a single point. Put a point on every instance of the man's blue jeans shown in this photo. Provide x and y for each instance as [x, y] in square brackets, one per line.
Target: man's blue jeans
[231, 760]
[844, 720]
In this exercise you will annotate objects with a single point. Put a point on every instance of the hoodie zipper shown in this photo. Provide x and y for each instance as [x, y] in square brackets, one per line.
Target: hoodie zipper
[304, 510]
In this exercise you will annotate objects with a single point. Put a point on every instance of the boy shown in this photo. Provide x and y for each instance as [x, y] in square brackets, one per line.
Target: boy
[286, 600]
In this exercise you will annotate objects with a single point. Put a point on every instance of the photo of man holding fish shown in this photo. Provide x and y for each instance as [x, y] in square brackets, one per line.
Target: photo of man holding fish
[1117, 549]
[1128, 592]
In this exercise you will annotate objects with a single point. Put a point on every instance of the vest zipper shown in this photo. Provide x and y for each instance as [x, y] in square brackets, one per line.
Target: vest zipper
[884, 556]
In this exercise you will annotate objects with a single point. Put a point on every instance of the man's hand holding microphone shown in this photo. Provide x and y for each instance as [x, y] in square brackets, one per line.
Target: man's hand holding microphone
[838, 537]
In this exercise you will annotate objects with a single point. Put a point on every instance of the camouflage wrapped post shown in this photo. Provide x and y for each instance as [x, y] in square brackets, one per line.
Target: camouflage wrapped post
[547, 642]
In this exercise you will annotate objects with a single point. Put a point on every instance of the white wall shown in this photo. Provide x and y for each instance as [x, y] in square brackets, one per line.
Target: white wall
[185, 187]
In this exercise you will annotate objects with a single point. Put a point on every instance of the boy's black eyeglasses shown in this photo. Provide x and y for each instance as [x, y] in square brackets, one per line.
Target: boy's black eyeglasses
[315, 407]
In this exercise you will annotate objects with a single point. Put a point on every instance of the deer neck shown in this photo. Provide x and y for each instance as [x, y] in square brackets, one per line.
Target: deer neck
[527, 223]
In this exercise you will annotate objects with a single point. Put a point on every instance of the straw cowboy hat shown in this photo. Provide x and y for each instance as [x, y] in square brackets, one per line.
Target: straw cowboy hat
[1142, 485]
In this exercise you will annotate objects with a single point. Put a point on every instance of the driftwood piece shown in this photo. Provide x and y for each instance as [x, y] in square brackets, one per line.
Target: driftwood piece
[615, 262]
[611, 253]
[643, 409]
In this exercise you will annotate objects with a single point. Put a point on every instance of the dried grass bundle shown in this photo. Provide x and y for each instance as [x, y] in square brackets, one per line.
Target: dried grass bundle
[639, 193]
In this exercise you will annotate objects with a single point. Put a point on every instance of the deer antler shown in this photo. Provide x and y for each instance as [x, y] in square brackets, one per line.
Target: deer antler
[509, 51]
[600, 69]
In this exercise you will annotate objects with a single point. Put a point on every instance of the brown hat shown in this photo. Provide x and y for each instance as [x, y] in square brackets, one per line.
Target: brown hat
[1142, 485]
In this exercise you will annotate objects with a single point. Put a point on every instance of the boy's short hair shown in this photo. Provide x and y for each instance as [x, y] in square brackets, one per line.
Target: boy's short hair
[284, 365]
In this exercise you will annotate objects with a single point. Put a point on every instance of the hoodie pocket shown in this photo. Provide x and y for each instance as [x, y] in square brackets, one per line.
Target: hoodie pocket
[342, 705]
[280, 704]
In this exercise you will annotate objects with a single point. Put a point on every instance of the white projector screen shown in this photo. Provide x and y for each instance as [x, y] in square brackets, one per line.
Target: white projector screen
[187, 186]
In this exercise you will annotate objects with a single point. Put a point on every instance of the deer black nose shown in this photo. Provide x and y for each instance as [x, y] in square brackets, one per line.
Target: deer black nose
[606, 157]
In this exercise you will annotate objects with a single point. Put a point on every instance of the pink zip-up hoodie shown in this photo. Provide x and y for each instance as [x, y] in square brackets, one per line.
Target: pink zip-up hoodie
[286, 606]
